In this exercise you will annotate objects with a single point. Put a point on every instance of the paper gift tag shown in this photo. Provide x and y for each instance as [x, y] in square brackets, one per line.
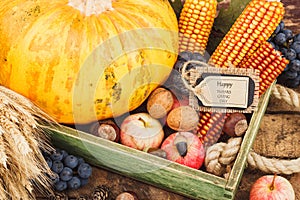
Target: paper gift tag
[224, 89]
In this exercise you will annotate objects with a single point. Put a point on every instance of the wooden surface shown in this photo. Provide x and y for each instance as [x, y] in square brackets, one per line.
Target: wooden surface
[278, 136]
[292, 14]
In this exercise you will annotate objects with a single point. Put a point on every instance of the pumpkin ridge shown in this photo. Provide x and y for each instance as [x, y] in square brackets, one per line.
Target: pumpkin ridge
[128, 23]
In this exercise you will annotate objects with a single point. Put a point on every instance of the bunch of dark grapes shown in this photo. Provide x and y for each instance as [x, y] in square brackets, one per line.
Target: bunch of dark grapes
[284, 40]
[69, 171]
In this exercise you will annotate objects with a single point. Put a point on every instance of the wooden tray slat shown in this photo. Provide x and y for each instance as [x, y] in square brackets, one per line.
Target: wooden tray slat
[154, 170]
[248, 140]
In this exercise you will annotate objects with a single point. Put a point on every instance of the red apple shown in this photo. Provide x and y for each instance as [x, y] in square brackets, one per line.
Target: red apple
[141, 131]
[184, 148]
[272, 187]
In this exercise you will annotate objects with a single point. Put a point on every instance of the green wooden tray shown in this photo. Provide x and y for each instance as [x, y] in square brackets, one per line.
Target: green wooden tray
[156, 171]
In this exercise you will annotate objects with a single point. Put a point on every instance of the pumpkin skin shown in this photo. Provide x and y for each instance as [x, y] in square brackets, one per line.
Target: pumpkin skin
[80, 68]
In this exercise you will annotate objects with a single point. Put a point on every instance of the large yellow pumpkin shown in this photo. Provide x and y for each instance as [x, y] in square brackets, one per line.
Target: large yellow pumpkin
[86, 60]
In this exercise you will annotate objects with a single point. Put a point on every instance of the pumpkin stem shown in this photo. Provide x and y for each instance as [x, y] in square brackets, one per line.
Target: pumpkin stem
[91, 7]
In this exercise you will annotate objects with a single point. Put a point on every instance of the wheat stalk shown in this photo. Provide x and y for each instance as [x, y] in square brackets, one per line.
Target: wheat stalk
[22, 165]
[3, 156]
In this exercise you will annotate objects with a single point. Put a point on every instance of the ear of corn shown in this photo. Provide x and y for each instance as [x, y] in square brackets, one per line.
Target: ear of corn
[195, 24]
[248, 34]
[253, 27]
[210, 127]
[269, 62]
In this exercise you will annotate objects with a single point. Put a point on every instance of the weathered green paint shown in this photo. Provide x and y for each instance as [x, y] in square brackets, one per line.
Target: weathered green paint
[240, 162]
[162, 173]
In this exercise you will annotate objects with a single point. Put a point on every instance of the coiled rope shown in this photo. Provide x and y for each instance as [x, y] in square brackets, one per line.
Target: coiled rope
[286, 94]
[221, 156]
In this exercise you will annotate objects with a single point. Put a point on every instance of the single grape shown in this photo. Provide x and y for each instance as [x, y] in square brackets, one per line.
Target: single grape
[66, 174]
[56, 155]
[84, 170]
[290, 54]
[54, 177]
[294, 65]
[74, 183]
[60, 186]
[288, 34]
[296, 46]
[71, 161]
[57, 166]
[280, 39]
